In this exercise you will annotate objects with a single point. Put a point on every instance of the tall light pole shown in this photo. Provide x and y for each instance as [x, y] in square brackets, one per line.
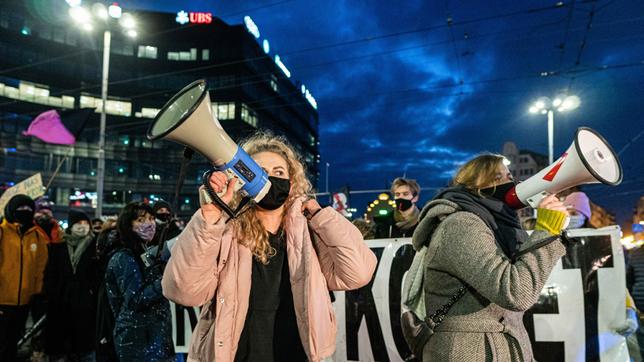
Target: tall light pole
[104, 16]
[545, 106]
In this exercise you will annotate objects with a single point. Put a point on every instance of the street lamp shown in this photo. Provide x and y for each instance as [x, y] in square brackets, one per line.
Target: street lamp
[105, 17]
[544, 105]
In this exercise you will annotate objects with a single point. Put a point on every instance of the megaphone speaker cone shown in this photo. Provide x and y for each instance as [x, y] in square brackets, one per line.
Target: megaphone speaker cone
[178, 109]
[598, 156]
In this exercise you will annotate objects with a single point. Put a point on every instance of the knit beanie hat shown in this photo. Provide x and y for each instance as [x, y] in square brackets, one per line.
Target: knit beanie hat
[580, 202]
[76, 216]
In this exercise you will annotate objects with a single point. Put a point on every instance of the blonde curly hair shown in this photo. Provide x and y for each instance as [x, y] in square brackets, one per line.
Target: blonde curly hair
[248, 228]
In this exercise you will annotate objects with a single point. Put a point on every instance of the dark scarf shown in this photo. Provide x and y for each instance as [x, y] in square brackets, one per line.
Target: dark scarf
[498, 216]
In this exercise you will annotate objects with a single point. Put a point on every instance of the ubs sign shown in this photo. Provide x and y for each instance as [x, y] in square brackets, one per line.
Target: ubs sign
[184, 17]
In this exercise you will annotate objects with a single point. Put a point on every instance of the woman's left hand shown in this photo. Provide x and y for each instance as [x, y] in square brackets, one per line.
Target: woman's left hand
[310, 207]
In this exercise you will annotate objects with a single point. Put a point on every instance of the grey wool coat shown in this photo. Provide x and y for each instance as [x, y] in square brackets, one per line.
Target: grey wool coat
[486, 323]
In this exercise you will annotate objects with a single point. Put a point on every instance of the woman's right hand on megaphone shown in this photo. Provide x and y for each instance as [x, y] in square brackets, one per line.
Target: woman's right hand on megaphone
[218, 182]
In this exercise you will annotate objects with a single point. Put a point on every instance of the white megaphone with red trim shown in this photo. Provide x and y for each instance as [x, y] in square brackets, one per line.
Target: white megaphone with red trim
[588, 160]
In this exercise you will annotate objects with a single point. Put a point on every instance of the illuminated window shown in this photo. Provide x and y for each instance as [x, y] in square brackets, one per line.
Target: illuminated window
[27, 92]
[147, 113]
[248, 115]
[224, 110]
[119, 108]
[183, 55]
[147, 51]
[11, 92]
[274, 83]
[205, 54]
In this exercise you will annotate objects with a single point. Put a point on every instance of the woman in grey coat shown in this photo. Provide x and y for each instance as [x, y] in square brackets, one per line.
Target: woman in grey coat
[473, 238]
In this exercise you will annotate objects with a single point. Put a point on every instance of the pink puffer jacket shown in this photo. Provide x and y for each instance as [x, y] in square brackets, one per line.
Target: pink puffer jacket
[210, 268]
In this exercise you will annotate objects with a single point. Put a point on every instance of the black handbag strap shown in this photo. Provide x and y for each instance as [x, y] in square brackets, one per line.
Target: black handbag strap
[436, 318]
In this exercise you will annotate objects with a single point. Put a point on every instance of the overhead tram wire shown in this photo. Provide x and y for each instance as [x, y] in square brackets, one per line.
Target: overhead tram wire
[582, 46]
[453, 39]
[566, 32]
[384, 36]
[259, 76]
[535, 75]
[296, 67]
[88, 87]
[189, 70]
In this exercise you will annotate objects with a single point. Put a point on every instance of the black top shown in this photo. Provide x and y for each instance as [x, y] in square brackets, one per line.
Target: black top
[270, 331]
[386, 228]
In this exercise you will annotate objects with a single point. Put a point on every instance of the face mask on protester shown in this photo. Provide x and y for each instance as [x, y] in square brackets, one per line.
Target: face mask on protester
[24, 217]
[403, 204]
[576, 221]
[163, 217]
[498, 192]
[277, 194]
[80, 230]
[145, 230]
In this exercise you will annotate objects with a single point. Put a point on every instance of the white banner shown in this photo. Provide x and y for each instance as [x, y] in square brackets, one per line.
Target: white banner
[581, 304]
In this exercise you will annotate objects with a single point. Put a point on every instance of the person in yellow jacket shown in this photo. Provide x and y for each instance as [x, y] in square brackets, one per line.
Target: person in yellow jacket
[23, 257]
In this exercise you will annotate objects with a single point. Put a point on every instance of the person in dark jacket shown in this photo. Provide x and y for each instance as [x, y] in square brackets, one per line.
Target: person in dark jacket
[472, 240]
[70, 287]
[143, 325]
[107, 243]
[403, 222]
[165, 222]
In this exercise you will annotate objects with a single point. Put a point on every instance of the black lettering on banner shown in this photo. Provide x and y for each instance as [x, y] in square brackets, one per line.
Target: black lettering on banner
[180, 322]
[588, 254]
[399, 266]
[359, 304]
[548, 303]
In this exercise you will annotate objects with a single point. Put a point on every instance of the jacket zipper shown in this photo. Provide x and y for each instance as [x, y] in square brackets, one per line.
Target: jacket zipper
[21, 262]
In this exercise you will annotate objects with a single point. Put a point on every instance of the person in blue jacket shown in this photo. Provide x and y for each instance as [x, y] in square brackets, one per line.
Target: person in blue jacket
[142, 319]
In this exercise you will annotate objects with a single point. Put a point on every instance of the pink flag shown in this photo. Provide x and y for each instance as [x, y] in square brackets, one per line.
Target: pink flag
[48, 127]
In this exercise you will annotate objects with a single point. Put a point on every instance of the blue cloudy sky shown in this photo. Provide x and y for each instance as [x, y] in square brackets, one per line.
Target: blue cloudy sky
[421, 86]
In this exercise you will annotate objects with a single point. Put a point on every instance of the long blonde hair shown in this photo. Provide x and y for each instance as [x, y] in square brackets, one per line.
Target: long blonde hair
[248, 228]
[478, 172]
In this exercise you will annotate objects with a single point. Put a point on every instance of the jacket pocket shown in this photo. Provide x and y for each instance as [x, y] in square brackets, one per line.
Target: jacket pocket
[204, 334]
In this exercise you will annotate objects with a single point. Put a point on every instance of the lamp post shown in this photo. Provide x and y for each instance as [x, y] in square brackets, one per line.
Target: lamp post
[546, 106]
[85, 19]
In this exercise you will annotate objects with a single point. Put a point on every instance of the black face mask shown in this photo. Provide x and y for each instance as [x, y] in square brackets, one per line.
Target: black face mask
[43, 219]
[24, 217]
[498, 192]
[403, 204]
[164, 217]
[277, 194]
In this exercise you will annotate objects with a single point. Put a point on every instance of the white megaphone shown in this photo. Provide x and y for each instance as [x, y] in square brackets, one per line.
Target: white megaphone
[188, 119]
[589, 159]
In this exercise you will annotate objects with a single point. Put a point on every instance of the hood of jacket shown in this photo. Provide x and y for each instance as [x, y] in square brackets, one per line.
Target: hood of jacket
[432, 214]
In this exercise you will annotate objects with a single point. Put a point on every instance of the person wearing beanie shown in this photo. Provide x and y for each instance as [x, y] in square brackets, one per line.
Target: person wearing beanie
[97, 225]
[70, 286]
[44, 219]
[578, 206]
[23, 256]
[481, 270]
[164, 220]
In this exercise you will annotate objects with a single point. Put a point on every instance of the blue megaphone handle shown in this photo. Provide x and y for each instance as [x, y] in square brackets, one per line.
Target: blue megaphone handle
[248, 170]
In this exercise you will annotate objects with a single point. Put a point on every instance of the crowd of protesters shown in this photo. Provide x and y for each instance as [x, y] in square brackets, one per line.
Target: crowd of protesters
[96, 290]
[90, 295]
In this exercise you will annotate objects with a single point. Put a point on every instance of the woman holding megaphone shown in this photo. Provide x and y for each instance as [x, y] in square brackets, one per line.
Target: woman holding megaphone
[264, 278]
[481, 270]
